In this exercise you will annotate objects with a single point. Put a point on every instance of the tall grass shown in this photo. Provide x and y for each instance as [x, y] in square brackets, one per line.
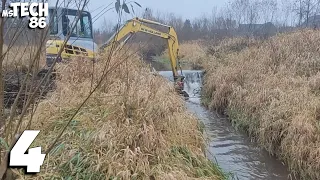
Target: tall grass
[271, 89]
[134, 126]
[18, 57]
[191, 55]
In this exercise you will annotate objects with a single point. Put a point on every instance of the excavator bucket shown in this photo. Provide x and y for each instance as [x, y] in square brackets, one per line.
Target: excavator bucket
[179, 84]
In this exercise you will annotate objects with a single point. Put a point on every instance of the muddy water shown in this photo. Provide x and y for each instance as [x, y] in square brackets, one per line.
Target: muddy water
[232, 150]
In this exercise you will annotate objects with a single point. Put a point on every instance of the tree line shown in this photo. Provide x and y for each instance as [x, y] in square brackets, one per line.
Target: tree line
[260, 18]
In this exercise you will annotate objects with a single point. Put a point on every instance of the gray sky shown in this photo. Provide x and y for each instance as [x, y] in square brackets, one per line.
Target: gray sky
[185, 8]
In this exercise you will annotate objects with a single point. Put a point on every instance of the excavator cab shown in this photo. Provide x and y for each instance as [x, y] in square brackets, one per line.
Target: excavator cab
[81, 41]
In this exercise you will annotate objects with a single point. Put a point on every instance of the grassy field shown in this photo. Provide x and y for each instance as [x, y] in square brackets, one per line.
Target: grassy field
[271, 90]
[133, 127]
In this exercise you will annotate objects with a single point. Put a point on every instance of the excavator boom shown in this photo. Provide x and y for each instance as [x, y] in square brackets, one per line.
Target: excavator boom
[138, 25]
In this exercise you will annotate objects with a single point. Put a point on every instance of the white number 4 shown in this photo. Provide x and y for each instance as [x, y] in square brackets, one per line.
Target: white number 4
[34, 159]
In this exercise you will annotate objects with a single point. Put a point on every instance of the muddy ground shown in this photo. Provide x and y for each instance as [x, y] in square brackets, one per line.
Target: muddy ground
[13, 82]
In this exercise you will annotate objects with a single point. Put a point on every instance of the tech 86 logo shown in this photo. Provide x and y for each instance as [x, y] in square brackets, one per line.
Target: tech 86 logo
[36, 12]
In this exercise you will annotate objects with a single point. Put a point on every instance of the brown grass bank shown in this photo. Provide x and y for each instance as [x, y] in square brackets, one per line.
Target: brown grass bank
[133, 127]
[271, 89]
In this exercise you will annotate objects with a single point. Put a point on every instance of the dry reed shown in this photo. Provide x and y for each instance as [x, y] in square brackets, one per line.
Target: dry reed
[191, 55]
[271, 89]
[133, 127]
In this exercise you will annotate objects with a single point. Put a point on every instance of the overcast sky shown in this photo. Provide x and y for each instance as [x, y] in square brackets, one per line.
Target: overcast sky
[185, 8]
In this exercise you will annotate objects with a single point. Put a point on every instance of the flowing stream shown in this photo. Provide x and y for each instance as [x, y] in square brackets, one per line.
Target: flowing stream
[232, 150]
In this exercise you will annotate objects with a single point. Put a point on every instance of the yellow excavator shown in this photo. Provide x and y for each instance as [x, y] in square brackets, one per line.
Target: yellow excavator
[136, 25]
[81, 41]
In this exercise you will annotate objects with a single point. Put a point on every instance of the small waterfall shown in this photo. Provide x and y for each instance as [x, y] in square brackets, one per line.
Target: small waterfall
[193, 83]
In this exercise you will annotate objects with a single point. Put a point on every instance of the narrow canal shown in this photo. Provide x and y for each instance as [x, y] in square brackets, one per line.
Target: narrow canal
[232, 150]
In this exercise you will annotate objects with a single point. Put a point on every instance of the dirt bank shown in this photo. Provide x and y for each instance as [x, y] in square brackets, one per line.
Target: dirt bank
[271, 90]
[133, 127]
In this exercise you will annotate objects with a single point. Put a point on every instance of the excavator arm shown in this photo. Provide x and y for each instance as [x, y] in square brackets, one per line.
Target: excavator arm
[138, 25]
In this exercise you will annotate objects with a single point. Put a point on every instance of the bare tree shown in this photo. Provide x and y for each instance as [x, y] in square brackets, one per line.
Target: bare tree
[299, 8]
[268, 9]
[148, 14]
[239, 8]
